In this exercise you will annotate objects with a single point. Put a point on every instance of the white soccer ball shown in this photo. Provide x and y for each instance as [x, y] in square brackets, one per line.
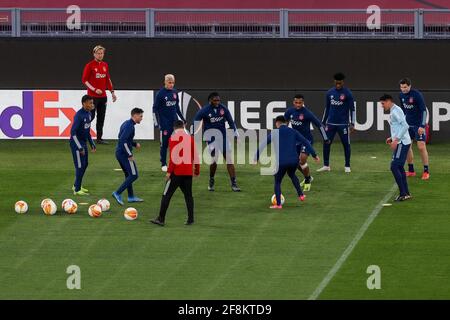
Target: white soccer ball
[49, 207]
[64, 202]
[95, 211]
[274, 199]
[70, 206]
[104, 204]
[43, 201]
[21, 206]
[130, 214]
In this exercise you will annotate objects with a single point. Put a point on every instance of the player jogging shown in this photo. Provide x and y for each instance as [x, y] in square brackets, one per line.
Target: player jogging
[79, 136]
[124, 154]
[97, 80]
[214, 115]
[400, 142]
[285, 141]
[166, 110]
[413, 106]
[300, 118]
[340, 108]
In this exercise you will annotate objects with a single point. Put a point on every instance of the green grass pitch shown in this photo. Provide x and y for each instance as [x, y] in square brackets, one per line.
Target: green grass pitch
[238, 248]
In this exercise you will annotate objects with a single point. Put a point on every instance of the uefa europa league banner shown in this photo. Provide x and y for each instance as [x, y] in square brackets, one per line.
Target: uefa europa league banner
[48, 114]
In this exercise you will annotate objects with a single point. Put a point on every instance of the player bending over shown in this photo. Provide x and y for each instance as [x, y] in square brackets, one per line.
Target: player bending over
[285, 141]
[301, 118]
[400, 142]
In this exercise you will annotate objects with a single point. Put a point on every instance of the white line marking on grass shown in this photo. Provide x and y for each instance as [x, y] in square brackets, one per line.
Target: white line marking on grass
[352, 245]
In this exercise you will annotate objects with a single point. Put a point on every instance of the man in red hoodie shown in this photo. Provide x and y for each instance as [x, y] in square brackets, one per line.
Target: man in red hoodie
[183, 163]
[97, 80]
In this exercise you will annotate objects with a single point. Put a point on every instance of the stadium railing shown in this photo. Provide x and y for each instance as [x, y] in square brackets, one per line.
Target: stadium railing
[224, 23]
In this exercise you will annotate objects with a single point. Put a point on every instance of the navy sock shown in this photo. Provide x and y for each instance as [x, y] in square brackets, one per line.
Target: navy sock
[410, 167]
[233, 180]
[426, 169]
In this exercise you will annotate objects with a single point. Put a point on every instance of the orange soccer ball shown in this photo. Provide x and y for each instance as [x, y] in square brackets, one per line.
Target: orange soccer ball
[95, 211]
[130, 214]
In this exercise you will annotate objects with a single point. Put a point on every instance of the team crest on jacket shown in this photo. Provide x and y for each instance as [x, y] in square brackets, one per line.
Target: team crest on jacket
[342, 97]
[222, 112]
[301, 117]
[175, 96]
[411, 100]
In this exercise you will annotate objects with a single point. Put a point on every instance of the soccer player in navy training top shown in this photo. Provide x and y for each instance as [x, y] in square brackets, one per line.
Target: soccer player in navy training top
[413, 106]
[285, 141]
[124, 154]
[400, 142]
[166, 110]
[79, 136]
[301, 118]
[214, 115]
[340, 108]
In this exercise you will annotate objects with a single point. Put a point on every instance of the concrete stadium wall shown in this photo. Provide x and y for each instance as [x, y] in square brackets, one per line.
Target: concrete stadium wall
[258, 76]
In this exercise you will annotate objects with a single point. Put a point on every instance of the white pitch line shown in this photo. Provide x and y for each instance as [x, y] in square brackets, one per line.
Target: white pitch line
[352, 245]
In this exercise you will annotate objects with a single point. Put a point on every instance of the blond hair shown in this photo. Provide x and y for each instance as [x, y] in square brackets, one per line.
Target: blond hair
[98, 47]
[169, 77]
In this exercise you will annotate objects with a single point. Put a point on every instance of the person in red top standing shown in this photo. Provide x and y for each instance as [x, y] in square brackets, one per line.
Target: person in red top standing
[184, 163]
[97, 80]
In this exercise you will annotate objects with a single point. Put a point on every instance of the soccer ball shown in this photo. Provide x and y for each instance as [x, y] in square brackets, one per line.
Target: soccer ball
[49, 207]
[64, 202]
[70, 206]
[130, 214]
[44, 201]
[274, 200]
[104, 204]
[21, 207]
[95, 211]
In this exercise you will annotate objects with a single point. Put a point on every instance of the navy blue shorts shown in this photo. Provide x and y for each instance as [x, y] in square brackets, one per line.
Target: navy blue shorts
[342, 130]
[301, 148]
[215, 146]
[414, 134]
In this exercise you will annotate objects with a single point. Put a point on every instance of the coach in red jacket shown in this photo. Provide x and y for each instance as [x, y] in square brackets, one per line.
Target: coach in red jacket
[183, 164]
[97, 80]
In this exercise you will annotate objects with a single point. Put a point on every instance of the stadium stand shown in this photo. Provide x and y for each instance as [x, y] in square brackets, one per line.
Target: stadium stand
[232, 19]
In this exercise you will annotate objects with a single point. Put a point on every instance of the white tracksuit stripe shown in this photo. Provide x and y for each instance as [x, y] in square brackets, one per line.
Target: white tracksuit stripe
[77, 142]
[167, 187]
[127, 149]
[323, 132]
[133, 168]
[399, 150]
[78, 159]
